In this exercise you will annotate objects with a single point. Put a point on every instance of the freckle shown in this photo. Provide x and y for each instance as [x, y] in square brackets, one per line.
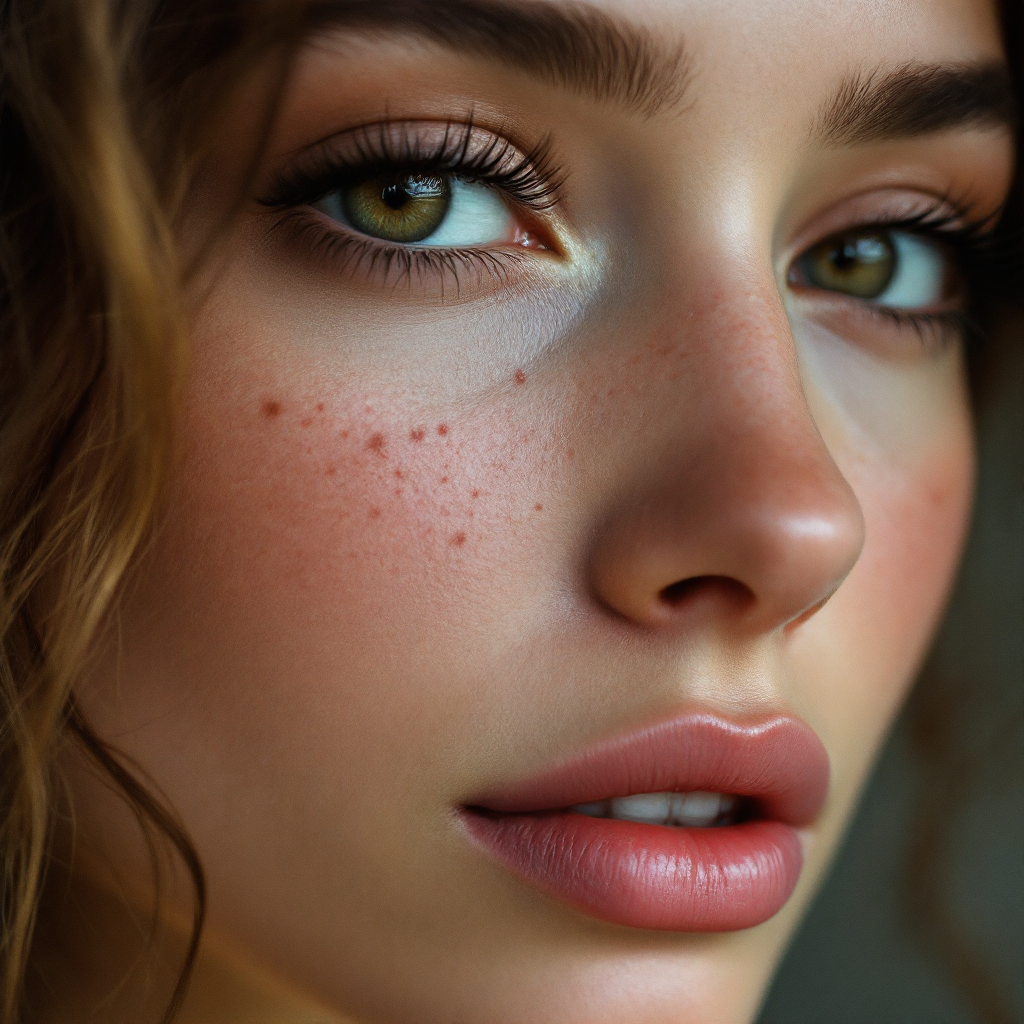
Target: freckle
[344, 434]
[444, 479]
[520, 377]
[539, 507]
[442, 429]
[378, 443]
[271, 408]
[459, 539]
[375, 513]
[331, 470]
[476, 494]
[570, 454]
[418, 434]
[307, 422]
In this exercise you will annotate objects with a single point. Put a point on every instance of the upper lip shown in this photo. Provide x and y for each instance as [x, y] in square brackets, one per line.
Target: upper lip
[777, 762]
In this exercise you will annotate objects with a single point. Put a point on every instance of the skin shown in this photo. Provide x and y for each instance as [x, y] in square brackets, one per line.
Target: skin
[414, 544]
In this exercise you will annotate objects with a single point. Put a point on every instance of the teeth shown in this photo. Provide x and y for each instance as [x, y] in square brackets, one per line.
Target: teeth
[650, 808]
[698, 810]
[686, 810]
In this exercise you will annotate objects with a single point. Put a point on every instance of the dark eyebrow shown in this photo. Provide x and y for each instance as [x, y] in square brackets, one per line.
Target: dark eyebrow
[917, 99]
[573, 45]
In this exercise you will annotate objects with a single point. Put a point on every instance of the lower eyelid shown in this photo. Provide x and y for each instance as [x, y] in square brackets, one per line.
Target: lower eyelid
[888, 332]
[383, 264]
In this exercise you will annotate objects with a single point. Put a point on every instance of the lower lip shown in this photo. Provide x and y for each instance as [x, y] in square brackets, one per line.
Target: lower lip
[649, 876]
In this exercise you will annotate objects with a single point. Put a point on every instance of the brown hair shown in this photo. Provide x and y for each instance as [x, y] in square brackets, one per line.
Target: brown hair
[104, 107]
[100, 116]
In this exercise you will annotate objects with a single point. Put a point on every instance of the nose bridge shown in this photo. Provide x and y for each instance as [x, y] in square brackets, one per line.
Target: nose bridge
[740, 496]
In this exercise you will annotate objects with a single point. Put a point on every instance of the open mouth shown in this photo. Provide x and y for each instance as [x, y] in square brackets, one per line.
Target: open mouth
[678, 810]
[690, 825]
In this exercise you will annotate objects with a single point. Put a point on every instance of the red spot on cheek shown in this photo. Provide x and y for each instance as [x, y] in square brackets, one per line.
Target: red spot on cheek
[378, 443]
[476, 494]
[520, 377]
[271, 408]
[418, 434]
[331, 470]
[308, 421]
[539, 507]
[319, 406]
[375, 513]
[459, 539]
[442, 429]
[399, 474]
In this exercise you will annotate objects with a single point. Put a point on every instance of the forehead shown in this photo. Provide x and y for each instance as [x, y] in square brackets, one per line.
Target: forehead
[839, 29]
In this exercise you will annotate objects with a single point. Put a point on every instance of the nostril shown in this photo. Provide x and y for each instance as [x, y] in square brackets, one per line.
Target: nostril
[722, 587]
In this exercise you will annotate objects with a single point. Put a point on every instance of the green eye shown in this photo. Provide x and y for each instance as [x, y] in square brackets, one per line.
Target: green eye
[861, 264]
[422, 210]
[406, 208]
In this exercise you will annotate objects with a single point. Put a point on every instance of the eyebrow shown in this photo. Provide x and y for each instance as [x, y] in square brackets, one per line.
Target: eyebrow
[917, 99]
[572, 45]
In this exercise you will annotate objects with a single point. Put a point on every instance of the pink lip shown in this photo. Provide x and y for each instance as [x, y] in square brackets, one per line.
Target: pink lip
[652, 876]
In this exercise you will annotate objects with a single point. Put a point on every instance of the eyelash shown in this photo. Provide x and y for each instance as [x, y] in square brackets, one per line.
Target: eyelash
[987, 253]
[532, 181]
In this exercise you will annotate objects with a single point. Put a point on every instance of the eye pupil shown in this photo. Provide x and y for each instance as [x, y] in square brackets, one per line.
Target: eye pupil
[395, 196]
[404, 208]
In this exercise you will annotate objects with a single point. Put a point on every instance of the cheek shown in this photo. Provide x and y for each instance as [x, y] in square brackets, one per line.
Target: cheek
[878, 626]
[346, 494]
[337, 551]
[916, 521]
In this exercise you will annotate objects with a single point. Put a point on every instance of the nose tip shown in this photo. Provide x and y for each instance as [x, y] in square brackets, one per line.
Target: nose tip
[764, 544]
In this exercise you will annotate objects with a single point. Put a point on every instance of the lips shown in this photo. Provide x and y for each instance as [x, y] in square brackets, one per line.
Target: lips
[654, 876]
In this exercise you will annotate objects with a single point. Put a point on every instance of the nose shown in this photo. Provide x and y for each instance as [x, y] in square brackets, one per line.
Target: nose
[730, 502]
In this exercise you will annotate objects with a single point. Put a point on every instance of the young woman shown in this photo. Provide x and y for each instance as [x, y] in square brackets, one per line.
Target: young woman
[479, 476]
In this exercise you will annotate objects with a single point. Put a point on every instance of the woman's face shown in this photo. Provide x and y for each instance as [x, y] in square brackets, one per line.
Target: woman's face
[576, 413]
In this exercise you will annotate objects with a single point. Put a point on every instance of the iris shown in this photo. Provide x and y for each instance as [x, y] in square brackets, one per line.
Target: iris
[406, 208]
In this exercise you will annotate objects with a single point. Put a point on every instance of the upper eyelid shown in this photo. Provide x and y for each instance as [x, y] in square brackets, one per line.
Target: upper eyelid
[889, 207]
[458, 145]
